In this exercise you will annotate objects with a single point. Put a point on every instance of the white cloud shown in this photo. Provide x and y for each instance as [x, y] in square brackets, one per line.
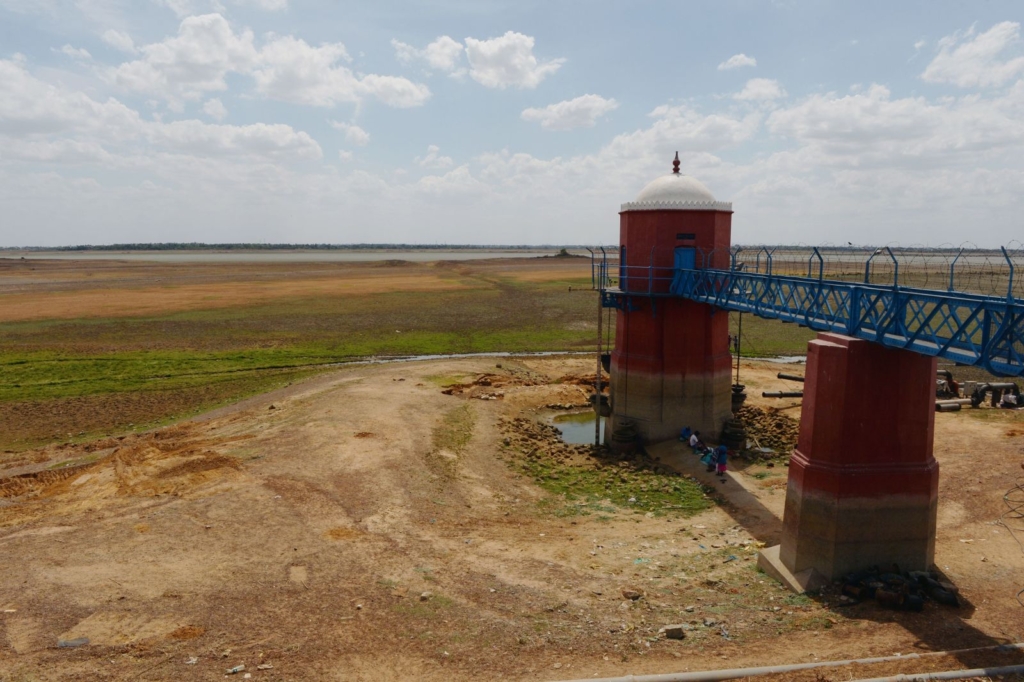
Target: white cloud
[873, 128]
[291, 70]
[78, 53]
[286, 68]
[28, 106]
[581, 112]
[395, 91]
[970, 60]
[184, 8]
[433, 159]
[737, 61]
[269, 5]
[759, 90]
[344, 155]
[63, 151]
[353, 133]
[456, 183]
[195, 61]
[442, 54]
[55, 118]
[215, 109]
[507, 61]
[119, 40]
[257, 139]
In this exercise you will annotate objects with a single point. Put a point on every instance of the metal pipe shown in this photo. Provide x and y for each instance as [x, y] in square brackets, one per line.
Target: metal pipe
[948, 407]
[782, 394]
[790, 377]
[997, 390]
[735, 673]
[949, 674]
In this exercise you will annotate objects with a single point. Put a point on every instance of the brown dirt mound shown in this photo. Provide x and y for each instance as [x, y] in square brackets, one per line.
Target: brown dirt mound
[187, 632]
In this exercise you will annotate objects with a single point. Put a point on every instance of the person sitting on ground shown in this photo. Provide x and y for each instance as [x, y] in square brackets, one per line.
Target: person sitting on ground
[721, 459]
[695, 441]
[685, 434]
[1009, 401]
[708, 459]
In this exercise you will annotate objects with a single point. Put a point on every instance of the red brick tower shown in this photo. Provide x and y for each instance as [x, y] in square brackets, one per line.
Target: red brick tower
[670, 366]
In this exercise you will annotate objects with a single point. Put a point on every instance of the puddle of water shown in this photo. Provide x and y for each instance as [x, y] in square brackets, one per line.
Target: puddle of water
[455, 356]
[577, 427]
[786, 359]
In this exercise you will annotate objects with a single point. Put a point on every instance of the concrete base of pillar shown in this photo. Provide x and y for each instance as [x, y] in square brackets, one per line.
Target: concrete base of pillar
[808, 580]
[660, 406]
[840, 535]
[863, 484]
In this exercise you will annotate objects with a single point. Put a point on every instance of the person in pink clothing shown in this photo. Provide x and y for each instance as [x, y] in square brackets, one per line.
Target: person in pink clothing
[721, 459]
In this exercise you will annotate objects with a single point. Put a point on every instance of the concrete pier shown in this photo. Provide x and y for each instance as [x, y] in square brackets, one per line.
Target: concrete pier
[863, 484]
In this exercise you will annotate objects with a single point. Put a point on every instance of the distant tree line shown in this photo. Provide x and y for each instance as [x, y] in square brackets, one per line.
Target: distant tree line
[199, 246]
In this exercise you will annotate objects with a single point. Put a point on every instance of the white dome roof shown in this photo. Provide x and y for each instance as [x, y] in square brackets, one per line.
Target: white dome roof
[676, 192]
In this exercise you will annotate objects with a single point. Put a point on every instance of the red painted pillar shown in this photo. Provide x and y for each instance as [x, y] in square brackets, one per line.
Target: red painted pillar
[863, 483]
[670, 365]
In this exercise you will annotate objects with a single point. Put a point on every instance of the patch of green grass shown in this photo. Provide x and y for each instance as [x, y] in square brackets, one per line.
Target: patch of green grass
[763, 338]
[993, 414]
[761, 475]
[185, 362]
[424, 609]
[455, 430]
[798, 600]
[450, 438]
[47, 375]
[606, 486]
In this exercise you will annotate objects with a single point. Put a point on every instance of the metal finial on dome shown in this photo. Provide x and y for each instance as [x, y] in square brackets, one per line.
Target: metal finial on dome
[675, 164]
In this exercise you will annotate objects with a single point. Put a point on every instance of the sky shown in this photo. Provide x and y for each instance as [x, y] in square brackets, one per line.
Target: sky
[507, 121]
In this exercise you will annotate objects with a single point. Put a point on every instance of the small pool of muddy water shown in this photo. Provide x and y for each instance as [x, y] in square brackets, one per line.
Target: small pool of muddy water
[576, 427]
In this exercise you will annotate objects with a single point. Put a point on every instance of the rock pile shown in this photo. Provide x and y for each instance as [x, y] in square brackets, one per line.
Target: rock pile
[770, 428]
[906, 591]
[536, 440]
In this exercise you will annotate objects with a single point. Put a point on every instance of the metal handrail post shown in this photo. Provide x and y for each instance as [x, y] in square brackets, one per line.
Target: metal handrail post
[896, 269]
[952, 265]
[1009, 261]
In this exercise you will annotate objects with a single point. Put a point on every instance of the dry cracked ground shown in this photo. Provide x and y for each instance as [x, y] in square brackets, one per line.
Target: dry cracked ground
[374, 524]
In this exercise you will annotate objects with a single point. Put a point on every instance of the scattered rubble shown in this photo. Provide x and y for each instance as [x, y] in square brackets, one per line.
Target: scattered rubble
[905, 591]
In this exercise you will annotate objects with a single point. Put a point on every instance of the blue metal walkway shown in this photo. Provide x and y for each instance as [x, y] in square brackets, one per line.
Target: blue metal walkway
[971, 329]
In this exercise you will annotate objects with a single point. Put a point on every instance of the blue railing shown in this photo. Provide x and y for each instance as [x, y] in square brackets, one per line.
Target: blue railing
[968, 328]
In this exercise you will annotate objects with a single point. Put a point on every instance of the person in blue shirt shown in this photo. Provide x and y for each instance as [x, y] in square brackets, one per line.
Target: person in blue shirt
[684, 435]
[721, 459]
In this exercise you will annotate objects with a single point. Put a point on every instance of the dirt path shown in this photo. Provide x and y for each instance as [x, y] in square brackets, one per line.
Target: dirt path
[364, 526]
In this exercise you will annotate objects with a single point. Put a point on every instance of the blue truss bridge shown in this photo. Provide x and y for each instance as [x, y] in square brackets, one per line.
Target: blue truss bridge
[961, 305]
